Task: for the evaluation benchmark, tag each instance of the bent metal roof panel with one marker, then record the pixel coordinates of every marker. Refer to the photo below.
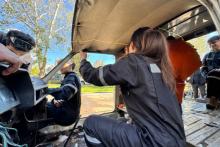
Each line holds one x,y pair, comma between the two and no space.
107,25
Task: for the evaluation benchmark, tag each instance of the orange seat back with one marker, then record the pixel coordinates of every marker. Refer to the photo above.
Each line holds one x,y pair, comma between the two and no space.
185,60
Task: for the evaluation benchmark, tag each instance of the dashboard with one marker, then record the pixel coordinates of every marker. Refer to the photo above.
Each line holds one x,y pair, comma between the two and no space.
20,90
7,98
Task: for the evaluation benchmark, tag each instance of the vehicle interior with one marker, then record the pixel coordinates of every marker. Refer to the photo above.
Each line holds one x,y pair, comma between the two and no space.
105,27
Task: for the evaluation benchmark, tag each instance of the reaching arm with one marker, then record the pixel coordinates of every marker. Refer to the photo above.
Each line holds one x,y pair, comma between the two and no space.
67,91
7,56
122,72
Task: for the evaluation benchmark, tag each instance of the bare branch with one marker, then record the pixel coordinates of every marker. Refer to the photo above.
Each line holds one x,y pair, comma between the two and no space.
52,23
41,16
27,14
54,19
35,9
61,28
26,23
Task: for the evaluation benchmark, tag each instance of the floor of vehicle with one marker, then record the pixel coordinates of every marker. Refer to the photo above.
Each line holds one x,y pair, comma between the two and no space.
202,126
59,134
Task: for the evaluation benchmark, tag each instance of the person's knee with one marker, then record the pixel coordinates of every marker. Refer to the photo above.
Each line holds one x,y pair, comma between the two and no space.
90,119
89,122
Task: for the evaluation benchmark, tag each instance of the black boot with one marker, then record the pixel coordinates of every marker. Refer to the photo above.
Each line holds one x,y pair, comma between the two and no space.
212,103
210,107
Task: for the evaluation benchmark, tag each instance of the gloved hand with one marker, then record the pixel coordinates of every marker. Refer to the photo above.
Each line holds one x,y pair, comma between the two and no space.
58,103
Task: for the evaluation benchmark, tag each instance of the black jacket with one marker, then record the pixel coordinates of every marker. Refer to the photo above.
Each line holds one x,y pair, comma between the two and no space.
210,61
153,108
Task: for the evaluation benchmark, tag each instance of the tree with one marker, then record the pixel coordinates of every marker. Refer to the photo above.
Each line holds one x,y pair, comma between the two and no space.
46,20
200,44
76,60
35,71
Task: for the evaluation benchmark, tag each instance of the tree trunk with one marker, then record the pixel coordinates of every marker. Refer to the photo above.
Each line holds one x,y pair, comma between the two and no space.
42,68
42,60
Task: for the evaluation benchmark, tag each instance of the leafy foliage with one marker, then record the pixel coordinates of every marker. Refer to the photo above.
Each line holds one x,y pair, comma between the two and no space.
49,21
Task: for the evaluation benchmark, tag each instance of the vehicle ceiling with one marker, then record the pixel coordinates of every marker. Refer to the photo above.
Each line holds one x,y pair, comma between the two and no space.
106,25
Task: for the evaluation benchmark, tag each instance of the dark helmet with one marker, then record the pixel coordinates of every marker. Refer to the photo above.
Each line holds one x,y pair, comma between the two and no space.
3,38
21,41
213,39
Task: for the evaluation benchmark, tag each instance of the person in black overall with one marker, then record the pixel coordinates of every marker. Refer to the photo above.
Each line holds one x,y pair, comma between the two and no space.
148,86
211,71
65,107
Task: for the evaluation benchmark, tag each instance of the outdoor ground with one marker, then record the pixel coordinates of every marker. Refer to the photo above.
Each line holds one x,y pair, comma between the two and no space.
202,126
94,99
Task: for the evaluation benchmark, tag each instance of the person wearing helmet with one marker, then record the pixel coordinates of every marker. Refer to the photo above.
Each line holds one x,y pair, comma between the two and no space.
211,71
7,56
20,43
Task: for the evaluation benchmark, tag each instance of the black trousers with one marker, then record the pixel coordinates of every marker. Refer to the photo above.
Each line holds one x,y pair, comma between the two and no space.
196,91
213,83
112,133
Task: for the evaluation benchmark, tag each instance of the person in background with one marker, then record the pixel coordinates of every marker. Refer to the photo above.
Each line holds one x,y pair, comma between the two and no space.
7,56
20,43
148,87
211,71
198,82
65,107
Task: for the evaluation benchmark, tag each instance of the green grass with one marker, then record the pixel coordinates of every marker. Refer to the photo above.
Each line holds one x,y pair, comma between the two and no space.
96,89
53,85
89,88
